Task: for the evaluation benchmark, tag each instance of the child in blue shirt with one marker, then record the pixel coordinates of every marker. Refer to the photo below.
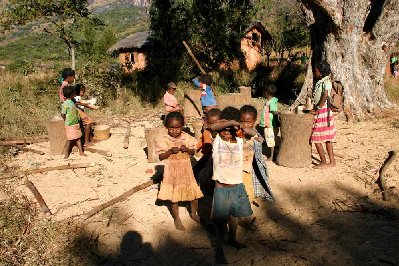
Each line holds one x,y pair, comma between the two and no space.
208,100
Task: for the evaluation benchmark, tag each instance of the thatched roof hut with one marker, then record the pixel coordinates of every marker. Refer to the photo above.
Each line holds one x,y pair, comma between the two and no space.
131,51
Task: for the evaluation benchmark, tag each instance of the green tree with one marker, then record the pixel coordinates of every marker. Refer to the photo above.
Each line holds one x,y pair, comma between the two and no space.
63,18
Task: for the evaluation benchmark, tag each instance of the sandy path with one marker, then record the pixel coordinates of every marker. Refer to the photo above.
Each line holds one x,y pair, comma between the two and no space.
320,217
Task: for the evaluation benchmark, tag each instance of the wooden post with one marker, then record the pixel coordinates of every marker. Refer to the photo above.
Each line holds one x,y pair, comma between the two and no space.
127,135
193,57
43,206
151,136
295,150
192,103
197,125
56,133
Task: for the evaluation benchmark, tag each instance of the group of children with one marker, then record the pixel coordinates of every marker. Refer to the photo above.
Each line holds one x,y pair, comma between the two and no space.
232,168
73,112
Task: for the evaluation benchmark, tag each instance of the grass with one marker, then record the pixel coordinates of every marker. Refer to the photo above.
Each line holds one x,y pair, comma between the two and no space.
27,238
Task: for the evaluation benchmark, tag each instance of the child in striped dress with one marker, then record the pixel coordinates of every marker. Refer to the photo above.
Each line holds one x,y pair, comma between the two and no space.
323,127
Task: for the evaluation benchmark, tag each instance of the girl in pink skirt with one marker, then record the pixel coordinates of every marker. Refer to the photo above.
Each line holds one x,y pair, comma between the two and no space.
323,126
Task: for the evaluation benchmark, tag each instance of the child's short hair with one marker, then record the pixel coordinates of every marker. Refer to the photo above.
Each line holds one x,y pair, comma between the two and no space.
324,68
79,87
271,88
214,112
174,115
67,72
206,79
230,113
249,109
68,91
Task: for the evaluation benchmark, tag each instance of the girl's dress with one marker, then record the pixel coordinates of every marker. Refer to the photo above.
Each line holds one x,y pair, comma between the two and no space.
323,125
72,127
178,179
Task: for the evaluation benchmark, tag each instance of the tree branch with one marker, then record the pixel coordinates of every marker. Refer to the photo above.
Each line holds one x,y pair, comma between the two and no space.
386,25
329,7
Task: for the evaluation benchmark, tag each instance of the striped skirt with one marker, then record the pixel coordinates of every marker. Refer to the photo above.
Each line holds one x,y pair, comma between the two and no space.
73,132
323,126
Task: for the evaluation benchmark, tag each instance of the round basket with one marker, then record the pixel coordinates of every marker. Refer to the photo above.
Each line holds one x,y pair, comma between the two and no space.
101,132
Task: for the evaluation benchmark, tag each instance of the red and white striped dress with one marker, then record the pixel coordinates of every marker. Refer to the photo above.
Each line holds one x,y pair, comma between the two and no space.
323,125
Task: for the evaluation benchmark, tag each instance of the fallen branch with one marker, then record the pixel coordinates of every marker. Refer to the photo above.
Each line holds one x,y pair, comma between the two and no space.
381,178
30,150
23,141
38,196
127,135
60,167
102,152
122,197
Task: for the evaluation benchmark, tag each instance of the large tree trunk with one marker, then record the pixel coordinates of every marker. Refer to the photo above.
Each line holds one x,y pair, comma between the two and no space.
355,38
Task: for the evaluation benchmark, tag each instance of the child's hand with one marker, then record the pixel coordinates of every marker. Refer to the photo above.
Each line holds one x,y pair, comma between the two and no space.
174,150
183,148
314,112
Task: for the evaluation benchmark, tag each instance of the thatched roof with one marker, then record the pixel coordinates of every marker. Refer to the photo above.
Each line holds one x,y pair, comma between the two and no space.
259,26
134,41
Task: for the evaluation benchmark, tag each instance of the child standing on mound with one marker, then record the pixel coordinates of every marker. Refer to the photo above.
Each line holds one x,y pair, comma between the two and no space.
268,118
70,114
230,200
208,100
176,147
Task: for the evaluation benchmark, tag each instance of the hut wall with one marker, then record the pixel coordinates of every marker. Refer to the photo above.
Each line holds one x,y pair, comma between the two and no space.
252,49
129,66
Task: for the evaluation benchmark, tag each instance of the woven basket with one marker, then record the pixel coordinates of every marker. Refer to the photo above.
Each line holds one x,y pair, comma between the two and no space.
101,132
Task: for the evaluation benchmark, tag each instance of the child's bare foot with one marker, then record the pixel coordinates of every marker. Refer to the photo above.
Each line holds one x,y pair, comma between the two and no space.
88,144
195,217
321,166
66,156
83,154
234,243
219,256
179,226
332,164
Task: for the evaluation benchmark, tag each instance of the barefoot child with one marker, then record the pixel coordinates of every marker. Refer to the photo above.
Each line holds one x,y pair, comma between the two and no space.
268,118
324,129
68,77
230,200
255,175
80,90
176,147
170,101
70,114
203,168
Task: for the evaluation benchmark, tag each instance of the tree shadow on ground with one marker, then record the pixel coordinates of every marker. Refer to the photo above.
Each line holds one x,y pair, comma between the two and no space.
352,230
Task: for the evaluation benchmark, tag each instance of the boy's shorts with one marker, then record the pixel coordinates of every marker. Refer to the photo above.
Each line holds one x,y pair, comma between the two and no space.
230,201
270,136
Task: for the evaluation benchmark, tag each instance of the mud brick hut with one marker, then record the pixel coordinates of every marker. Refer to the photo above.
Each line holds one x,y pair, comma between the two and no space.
254,43
131,51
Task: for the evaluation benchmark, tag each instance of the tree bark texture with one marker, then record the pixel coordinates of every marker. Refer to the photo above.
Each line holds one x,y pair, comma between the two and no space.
355,37
151,136
56,133
295,150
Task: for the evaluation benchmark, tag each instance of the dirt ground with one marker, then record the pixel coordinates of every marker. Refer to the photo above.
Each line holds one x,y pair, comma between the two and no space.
320,217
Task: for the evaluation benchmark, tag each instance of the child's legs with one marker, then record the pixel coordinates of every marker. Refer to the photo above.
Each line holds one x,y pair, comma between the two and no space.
233,224
270,140
330,152
80,147
87,133
193,211
68,146
174,211
320,151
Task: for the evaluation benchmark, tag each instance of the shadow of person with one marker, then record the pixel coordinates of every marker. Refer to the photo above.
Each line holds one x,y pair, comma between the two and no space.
132,250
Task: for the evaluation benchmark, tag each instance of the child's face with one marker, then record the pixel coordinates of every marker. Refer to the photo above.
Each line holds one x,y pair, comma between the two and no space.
212,119
172,91
70,79
227,134
247,120
82,92
317,73
174,128
268,95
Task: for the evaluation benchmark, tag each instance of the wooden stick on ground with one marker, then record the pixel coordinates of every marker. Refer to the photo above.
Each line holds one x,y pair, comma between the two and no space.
60,167
122,197
94,150
194,58
381,178
127,135
23,141
31,150
38,196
